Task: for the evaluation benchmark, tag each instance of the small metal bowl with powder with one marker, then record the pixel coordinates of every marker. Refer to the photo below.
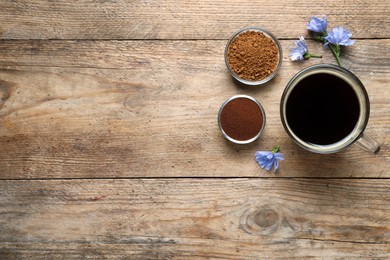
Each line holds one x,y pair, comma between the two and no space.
241,119
253,56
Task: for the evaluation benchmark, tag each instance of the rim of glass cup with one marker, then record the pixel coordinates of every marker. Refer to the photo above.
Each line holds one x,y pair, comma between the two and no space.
240,141
349,77
266,33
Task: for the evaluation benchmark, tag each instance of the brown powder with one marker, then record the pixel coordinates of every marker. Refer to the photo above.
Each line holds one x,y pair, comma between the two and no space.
241,119
253,56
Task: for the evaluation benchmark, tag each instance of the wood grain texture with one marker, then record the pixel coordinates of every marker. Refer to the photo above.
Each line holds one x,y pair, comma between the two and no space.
107,106
180,218
87,109
43,19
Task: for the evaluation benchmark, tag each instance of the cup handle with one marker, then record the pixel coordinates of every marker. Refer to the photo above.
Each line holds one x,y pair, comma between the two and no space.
368,144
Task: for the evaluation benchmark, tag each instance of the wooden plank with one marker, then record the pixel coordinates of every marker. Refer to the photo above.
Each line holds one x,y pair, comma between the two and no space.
369,56
222,218
206,19
82,109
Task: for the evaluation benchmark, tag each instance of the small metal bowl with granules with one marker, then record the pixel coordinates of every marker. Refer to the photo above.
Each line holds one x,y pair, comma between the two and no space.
253,56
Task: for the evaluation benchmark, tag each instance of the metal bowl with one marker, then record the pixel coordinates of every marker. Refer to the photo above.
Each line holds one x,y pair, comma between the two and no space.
267,34
241,141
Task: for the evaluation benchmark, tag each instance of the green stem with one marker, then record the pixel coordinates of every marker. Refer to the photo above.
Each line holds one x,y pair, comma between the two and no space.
276,149
309,55
336,53
318,38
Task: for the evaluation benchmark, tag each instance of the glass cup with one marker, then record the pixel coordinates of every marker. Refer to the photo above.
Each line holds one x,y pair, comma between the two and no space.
267,34
299,129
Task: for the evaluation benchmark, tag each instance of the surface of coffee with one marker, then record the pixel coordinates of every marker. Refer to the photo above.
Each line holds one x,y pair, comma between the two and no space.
322,109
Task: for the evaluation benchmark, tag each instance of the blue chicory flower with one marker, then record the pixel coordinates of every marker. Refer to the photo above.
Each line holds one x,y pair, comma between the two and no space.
268,159
300,50
339,36
317,25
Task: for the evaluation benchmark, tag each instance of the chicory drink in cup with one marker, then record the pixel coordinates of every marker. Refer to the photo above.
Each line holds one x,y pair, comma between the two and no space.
325,108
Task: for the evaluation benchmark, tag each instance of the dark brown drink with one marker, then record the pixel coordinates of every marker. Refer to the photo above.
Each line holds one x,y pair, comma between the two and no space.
322,109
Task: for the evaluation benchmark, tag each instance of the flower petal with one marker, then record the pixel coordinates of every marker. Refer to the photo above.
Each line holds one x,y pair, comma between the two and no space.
262,163
268,159
339,36
317,25
300,50
269,165
296,54
262,153
279,156
276,165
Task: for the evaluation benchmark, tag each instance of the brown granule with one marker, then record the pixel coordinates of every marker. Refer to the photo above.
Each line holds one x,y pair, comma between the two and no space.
253,56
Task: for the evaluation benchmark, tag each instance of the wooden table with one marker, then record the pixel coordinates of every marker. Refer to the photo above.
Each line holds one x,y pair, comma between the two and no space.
110,148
